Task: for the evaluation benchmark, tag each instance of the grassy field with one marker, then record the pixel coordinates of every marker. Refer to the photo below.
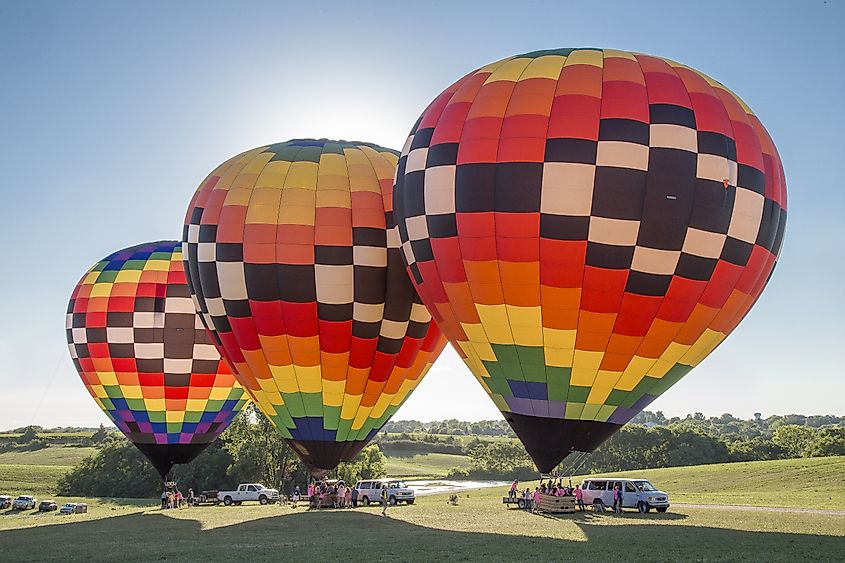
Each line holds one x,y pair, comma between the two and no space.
479,527
39,480
53,455
814,482
411,464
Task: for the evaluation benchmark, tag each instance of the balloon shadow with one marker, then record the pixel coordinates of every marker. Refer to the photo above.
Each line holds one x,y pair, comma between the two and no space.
367,536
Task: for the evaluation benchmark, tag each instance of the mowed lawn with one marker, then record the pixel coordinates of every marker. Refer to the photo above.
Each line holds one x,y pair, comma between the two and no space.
52,455
810,483
38,480
37,472
478,528
412,464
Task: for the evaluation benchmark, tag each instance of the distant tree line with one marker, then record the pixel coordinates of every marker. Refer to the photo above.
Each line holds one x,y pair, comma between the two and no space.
694,440
452,427
250,450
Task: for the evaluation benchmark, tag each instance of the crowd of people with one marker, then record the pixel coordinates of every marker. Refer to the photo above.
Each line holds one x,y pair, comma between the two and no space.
172,497
552,488
324,494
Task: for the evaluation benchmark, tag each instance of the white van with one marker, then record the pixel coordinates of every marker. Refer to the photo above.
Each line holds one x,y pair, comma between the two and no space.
369,490
636,493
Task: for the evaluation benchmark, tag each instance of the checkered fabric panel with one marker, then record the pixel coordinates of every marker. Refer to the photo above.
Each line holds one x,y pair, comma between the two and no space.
587,225
142,351
290,265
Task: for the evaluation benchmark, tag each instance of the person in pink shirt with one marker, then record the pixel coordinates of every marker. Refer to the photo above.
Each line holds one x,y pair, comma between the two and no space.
536,498
579,498
311,500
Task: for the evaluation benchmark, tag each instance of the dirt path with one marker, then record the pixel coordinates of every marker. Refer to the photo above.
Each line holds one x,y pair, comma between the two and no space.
829,511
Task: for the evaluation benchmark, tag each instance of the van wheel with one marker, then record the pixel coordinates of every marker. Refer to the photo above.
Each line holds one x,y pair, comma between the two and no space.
392,500
643,507
598,506
227,501
262,499
661,509
366,501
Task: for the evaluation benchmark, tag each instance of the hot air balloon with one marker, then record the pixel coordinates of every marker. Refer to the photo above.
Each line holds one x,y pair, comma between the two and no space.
585,226
145,357
289,260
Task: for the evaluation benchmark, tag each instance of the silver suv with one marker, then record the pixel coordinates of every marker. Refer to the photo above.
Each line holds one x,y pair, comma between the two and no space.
636,493
369,490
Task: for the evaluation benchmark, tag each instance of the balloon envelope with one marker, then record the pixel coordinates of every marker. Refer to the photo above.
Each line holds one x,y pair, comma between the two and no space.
585,226
289,259
143,354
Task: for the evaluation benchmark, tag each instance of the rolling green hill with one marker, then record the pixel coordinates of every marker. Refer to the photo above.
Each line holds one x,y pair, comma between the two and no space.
807,482
412,464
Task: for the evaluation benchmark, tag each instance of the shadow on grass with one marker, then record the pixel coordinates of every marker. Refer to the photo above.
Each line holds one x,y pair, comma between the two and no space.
590,516
328,536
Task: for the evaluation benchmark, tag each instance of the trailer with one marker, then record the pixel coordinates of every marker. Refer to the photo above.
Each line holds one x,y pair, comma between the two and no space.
519,501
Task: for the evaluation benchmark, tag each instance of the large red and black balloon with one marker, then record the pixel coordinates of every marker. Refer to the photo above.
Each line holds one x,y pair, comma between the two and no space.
585,226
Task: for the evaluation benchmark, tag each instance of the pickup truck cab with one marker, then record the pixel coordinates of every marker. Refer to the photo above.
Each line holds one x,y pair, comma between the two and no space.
636,493
247,492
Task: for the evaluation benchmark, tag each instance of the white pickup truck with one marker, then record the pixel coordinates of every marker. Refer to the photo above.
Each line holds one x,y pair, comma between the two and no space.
249,491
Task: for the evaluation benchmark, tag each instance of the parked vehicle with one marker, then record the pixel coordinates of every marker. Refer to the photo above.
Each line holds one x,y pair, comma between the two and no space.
24,502
74,508
636,493
48,506
369,490
207,497
5,502
249,491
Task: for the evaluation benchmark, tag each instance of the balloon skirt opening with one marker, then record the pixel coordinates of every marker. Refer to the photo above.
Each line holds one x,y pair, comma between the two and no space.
165,456
322,456
549,440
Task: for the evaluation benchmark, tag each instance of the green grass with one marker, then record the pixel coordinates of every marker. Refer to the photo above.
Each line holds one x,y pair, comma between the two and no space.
52,455
39,480
478,528
412,464
813,482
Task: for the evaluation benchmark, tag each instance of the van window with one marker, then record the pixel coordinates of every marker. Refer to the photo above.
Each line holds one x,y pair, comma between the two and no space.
598,485
617,484
251,488
364,485
629,487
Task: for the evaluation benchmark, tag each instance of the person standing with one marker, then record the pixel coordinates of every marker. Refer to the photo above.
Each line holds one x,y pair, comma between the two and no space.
164,499
354,497
312,502
190,497
513,489
617,499
347,501
536,504
384,499
579,498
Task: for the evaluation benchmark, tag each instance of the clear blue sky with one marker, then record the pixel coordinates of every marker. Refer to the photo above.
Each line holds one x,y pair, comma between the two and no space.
112,113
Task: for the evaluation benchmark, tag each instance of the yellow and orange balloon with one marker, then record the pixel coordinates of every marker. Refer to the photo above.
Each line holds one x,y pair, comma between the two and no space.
294,271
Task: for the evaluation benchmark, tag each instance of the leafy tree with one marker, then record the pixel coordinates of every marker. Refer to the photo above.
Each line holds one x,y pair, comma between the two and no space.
30,434
370,463
826,442
100,435
794,439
